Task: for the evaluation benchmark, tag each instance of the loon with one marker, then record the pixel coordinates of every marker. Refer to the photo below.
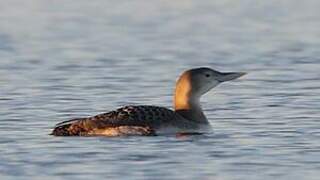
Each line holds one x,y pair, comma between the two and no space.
146,120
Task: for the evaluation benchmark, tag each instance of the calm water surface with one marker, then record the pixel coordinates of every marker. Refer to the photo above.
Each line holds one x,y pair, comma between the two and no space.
67,59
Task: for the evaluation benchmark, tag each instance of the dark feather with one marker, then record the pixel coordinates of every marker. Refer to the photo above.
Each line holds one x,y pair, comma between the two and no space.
146,117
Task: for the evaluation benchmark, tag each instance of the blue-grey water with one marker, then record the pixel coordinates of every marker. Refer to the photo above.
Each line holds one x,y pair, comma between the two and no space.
65,59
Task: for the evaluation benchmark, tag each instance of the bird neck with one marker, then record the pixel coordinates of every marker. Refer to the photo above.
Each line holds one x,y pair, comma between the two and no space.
187,102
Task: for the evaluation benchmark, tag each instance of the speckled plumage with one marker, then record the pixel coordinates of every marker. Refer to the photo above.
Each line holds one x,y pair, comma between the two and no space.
146,117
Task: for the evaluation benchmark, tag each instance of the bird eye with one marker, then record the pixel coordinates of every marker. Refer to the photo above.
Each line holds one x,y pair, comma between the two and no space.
207,75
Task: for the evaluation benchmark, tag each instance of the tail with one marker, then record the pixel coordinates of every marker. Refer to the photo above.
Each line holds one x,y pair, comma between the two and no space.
64,128
61,130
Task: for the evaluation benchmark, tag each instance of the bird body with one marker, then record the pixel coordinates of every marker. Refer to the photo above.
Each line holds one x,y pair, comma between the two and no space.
152,120
128,120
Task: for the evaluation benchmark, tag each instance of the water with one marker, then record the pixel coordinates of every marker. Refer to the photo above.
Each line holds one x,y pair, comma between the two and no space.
66,59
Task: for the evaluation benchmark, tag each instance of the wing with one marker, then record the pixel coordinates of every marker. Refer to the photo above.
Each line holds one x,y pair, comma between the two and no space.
140,120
